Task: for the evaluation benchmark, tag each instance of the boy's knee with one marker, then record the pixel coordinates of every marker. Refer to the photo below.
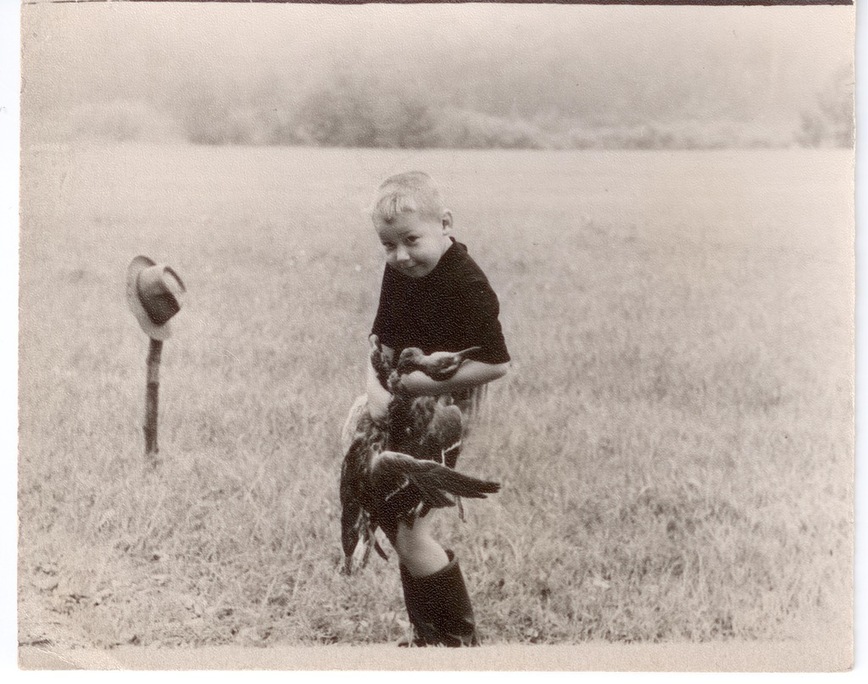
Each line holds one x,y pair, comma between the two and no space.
407,539
410,539
417,549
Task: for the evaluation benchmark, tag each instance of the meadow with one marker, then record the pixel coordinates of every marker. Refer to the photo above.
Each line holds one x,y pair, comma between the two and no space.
674,439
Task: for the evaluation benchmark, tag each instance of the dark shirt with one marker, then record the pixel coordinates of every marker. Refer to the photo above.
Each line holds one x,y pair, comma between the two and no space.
450,309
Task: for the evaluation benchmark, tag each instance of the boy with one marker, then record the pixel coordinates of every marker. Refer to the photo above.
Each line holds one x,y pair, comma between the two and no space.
436,298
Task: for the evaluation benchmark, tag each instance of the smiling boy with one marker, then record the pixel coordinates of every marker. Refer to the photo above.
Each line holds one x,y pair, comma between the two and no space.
436,298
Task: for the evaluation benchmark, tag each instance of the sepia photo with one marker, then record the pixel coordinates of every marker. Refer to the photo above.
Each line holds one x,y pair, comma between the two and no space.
350,334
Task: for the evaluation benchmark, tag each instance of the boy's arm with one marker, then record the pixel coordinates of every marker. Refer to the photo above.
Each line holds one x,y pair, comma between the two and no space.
469,374
378,396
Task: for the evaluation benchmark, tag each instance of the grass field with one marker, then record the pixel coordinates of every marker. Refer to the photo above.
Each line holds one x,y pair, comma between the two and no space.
674,440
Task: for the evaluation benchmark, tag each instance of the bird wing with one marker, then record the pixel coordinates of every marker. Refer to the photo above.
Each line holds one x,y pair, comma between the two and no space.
443,367
393,472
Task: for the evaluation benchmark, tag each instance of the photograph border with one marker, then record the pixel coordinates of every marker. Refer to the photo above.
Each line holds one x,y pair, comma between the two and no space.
730,658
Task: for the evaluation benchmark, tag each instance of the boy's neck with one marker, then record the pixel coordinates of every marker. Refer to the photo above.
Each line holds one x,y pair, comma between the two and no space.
447,245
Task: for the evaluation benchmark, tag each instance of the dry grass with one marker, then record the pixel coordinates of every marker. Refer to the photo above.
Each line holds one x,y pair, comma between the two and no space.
675,439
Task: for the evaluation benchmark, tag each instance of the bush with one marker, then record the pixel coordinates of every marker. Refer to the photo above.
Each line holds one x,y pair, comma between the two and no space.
830,122
475,130
122,121
240,126
346,114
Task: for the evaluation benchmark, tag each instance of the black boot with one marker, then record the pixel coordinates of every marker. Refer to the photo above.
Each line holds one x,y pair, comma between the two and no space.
439,607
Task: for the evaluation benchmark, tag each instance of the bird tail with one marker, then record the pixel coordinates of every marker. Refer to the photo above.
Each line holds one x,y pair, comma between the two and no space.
393,472
352,516
358,529
356,522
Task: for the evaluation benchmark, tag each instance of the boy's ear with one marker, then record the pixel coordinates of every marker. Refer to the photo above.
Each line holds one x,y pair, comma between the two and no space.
446,221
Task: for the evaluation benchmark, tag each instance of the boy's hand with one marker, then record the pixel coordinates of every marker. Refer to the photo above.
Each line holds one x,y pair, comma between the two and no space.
378,396
415,384
378,403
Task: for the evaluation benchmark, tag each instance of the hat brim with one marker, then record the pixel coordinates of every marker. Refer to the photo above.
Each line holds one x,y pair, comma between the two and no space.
151,329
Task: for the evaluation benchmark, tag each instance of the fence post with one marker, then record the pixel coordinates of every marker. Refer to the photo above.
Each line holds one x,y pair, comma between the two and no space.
152,400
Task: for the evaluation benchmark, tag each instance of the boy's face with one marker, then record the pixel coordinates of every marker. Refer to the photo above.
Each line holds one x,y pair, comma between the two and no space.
414,243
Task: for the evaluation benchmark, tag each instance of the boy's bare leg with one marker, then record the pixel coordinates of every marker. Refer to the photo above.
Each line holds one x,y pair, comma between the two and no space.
419,552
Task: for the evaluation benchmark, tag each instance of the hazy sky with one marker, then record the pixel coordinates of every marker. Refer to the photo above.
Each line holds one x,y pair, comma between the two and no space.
87,52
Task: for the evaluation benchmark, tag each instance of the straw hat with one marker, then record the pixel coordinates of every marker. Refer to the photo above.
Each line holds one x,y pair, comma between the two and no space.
154,295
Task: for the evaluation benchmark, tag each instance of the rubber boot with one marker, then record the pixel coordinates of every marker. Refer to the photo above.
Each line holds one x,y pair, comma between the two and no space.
439,607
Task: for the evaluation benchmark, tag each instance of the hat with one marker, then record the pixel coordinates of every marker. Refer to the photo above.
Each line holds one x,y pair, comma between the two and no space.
154,294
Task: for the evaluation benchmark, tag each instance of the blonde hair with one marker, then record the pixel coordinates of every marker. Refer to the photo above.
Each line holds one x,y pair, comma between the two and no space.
413,191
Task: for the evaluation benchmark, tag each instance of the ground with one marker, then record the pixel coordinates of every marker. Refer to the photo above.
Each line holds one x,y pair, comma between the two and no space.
674,439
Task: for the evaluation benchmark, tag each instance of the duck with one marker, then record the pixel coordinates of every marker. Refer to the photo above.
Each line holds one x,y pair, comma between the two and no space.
439,366
404,466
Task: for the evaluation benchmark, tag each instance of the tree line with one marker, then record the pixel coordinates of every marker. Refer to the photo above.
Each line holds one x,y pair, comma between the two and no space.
349,112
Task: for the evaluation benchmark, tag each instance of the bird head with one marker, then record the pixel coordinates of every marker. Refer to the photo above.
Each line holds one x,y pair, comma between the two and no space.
409,360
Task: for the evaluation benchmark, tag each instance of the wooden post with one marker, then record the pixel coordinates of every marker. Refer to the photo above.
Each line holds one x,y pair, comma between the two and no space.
152,400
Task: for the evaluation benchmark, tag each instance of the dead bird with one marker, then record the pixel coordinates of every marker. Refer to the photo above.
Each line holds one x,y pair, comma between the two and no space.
380,488
400,469
437,366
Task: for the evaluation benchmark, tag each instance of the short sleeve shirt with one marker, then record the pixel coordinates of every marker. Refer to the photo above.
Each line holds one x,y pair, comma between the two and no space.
450,309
